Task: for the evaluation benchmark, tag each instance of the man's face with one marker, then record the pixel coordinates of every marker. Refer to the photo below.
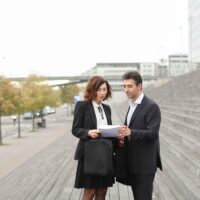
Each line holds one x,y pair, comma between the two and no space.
131,89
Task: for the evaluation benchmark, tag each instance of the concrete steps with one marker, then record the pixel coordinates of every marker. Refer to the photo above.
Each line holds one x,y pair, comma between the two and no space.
186,119
188,140
182,110
165,187
179,101
185,155
180,150
184,180
181,126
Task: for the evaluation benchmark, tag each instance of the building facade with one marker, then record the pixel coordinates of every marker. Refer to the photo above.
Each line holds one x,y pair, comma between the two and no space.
114,69
178,64
194,33
162,69
150,71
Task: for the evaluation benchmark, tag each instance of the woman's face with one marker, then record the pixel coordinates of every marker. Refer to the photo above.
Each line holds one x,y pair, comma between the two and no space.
101,93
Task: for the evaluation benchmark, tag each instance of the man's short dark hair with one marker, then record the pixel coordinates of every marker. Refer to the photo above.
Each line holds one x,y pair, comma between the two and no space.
133,75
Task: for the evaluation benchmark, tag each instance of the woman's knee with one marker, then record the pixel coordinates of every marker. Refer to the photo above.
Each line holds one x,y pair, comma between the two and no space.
101,191
89,194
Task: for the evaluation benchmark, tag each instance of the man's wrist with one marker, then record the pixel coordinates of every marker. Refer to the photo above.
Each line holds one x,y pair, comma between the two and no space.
129,134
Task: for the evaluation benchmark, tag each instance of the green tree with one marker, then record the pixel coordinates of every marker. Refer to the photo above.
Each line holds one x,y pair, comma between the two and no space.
7,97
20,106
38,94
68,92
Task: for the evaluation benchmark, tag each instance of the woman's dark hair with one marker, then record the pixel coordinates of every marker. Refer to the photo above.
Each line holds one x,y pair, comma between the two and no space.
93,85
133,75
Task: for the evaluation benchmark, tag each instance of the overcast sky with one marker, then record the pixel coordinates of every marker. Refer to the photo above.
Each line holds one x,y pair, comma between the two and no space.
67,37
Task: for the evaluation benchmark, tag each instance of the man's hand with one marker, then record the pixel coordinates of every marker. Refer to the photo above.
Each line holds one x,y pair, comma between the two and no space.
125,131
121,142
94,133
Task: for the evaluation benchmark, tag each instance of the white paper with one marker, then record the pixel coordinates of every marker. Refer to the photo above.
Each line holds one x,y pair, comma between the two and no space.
109,130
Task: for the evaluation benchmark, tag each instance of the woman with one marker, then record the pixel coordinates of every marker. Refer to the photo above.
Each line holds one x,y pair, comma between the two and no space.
88,116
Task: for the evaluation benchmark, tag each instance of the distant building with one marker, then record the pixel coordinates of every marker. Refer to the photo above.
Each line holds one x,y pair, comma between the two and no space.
178,64
114,69
194,34
149,71
162,70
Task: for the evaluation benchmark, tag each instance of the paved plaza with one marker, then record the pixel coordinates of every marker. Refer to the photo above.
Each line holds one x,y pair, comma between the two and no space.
40,165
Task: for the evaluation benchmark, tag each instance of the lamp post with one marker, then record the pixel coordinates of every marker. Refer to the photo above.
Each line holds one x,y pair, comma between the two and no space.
0,132
18,115
18,107
2,58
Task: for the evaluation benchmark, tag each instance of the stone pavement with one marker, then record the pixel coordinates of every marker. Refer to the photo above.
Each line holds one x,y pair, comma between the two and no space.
29,163
40,166
15,151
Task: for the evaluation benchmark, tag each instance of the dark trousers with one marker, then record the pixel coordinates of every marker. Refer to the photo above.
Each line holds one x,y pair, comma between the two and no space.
142,186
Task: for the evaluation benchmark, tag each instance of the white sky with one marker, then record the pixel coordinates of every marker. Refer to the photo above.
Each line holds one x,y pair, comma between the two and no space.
67,37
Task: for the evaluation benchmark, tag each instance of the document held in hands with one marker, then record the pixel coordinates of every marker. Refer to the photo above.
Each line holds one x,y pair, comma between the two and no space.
109,130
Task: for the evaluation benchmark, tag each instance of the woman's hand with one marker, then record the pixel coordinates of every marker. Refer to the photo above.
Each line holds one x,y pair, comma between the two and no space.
94,133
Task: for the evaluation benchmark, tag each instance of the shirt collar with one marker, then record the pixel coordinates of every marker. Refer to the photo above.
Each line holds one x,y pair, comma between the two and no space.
137,101
96,105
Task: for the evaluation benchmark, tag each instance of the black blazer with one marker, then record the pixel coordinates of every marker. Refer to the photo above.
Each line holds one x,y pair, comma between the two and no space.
143,146
85,120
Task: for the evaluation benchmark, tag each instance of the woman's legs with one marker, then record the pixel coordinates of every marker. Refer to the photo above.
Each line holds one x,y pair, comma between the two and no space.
100,193
88,194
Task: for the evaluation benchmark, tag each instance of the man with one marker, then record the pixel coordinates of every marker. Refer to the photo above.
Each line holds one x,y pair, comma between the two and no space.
140,136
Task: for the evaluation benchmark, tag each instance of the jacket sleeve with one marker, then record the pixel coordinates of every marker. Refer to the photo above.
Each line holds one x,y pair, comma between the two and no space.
78,129
152,126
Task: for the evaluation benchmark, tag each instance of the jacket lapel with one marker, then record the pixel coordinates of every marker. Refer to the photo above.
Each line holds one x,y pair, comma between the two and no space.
125,123
92,113
93,116
137,110
107,115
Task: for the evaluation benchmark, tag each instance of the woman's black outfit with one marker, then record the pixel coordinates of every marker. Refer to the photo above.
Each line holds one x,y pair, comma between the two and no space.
85,120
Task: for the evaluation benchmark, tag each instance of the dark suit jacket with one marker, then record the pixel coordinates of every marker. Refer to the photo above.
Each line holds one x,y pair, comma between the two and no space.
143,146
141,153
85,120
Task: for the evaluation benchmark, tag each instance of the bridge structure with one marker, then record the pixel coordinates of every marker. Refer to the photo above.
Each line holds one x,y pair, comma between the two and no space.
66,80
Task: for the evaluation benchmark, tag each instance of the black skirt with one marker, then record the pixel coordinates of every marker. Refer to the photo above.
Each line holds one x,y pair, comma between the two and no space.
91,181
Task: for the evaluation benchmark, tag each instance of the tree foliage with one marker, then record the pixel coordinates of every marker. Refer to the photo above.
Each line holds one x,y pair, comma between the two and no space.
38,94
68,92
7,97
32,95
